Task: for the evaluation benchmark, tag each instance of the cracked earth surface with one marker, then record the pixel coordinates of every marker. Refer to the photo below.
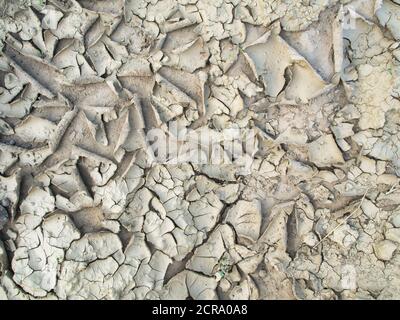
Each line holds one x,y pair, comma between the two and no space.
310,209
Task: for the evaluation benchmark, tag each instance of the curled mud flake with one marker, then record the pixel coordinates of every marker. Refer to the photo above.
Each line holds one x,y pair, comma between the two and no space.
34,129
188,284
206,211
245,217
38,202
92,246
206,259
9,192
291,74
158,233
189,57
324,152
5,128
3,258
60,230
245,290
388,14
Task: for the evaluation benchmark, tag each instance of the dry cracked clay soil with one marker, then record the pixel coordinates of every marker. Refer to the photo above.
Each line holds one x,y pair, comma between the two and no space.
200,149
